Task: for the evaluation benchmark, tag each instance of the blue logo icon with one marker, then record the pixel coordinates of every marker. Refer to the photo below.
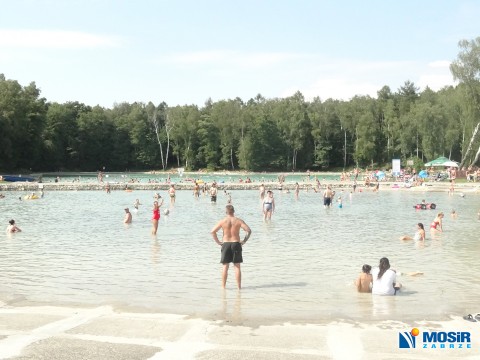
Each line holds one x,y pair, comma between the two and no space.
406,339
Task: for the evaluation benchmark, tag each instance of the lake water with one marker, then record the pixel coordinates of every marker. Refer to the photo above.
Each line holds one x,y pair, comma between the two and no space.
301,266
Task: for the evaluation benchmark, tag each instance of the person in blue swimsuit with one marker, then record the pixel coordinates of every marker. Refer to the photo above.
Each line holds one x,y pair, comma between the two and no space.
268,205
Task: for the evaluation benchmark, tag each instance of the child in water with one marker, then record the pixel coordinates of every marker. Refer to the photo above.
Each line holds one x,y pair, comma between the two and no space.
365,280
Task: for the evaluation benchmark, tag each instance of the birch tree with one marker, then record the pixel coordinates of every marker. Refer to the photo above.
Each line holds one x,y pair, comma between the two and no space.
466,70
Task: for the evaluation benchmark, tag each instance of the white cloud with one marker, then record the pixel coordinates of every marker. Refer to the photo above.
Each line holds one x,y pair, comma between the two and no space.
440,64
344,79
229,58
25,38
335,88
435,81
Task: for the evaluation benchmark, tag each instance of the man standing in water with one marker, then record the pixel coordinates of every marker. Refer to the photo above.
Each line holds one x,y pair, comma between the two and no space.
213,193
327,197
297,190
231,245
128,217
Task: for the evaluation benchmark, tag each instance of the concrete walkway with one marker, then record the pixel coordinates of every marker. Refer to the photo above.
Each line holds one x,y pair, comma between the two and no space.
69,333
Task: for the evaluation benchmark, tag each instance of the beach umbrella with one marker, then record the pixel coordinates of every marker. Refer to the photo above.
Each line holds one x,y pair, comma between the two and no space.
380,175
451,163
441,161
423,174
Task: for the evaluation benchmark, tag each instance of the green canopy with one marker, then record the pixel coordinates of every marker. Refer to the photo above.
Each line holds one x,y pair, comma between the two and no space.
441,161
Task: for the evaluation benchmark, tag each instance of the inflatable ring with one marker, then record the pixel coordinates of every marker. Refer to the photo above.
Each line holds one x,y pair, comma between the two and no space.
424,206
30,197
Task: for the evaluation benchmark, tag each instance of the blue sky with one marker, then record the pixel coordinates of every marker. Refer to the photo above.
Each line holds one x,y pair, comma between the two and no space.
184,52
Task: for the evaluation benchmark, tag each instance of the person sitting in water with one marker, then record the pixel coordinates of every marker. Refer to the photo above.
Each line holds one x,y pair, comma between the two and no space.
384,279
419,235
12,228
364,281
453,214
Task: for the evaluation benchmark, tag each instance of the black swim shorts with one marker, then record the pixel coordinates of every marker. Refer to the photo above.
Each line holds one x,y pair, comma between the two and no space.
327,201
213,198
231,252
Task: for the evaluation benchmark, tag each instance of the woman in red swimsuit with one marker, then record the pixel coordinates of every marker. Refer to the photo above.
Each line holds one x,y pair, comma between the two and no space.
436,225
156,215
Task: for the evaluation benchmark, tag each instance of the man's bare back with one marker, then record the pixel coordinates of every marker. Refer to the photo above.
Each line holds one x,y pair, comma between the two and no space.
231,229
231,226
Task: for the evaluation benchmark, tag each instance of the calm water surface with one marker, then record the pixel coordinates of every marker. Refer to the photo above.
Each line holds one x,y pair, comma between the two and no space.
300,266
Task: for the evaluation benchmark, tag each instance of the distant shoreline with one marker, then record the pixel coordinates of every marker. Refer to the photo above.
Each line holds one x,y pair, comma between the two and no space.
304,186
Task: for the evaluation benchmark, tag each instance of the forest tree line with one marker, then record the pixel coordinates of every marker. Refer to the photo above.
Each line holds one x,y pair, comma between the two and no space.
260,134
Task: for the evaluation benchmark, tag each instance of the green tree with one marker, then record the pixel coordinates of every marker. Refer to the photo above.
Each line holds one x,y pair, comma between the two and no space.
227,115
22,120
60,136
184,134
95,139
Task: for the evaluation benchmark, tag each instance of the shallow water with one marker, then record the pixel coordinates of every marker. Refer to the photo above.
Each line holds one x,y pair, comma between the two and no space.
300,266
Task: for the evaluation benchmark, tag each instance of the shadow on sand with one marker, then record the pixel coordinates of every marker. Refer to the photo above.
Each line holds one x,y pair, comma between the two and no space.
276,285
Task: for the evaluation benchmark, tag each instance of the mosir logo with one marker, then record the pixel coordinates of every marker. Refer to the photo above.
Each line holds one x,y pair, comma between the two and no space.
406,340
435,339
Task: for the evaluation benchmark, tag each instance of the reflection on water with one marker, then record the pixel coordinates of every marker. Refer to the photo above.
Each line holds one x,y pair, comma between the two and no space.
231,307
301,265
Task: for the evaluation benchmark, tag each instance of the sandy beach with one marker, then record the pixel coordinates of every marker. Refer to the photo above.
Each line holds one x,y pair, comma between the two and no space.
57,332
